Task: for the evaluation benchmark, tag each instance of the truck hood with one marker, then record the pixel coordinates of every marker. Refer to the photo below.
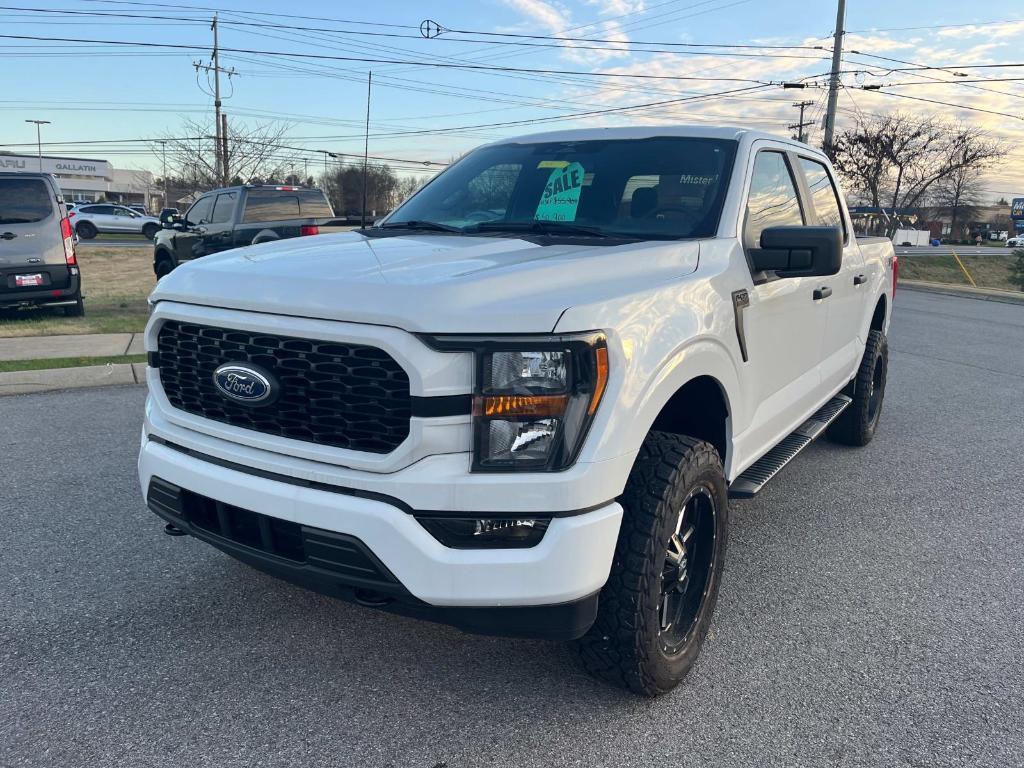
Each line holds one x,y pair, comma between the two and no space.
425,283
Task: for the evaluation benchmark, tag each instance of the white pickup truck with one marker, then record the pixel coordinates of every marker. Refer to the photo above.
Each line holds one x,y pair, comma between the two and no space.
521,403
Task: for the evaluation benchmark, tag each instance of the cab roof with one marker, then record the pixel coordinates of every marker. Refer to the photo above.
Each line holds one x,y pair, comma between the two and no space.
733,133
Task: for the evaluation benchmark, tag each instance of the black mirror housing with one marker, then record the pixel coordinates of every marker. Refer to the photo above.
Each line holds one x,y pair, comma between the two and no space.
799,251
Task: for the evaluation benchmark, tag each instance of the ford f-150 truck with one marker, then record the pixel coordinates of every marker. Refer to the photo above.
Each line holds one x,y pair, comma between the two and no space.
522,403
236,216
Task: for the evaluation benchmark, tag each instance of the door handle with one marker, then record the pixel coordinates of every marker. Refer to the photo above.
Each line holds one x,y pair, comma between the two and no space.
860,279
822,293
8,235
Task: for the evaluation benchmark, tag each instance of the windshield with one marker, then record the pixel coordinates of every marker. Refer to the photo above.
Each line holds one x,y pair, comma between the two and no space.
635,188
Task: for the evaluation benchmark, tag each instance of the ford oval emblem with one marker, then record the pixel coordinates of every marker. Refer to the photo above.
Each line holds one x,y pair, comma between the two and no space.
244,383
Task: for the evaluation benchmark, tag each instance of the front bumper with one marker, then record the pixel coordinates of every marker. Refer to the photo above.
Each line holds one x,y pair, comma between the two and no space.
548,590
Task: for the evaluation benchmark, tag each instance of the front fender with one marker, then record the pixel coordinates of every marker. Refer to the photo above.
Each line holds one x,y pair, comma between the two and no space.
702,357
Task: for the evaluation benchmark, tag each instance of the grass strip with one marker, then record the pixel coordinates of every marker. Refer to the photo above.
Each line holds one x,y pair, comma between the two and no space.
8,366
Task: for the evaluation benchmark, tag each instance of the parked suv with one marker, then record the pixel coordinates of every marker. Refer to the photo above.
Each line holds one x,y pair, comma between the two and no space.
235,216
38,266
91,219
522,403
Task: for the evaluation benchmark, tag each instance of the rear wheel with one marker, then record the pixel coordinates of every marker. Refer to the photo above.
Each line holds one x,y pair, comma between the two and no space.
86,230
149,231
77,309
655,609
856,426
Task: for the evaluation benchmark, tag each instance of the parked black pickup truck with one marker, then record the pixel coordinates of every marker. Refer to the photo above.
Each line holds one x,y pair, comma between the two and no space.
236,216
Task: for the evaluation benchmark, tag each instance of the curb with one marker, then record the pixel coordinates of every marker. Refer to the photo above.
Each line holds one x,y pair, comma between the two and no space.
966,292
47,380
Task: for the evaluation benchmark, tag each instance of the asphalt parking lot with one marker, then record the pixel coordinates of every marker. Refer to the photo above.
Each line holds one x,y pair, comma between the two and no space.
870,613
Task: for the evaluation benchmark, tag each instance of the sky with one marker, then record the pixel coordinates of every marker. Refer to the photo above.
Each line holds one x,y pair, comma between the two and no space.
102,99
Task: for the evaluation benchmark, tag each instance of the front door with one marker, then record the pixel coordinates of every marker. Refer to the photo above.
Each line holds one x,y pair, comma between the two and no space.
188,243
784,324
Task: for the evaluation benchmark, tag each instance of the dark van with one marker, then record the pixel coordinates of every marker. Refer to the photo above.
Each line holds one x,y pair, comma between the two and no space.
38,266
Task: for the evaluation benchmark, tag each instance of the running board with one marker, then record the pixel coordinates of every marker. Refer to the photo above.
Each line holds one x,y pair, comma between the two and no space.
756,477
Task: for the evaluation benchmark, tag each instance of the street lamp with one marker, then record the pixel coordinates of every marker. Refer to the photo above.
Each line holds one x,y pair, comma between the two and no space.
39,140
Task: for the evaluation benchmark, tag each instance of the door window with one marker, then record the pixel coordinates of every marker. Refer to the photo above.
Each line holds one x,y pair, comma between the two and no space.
824,197
773,200
224,208
200,212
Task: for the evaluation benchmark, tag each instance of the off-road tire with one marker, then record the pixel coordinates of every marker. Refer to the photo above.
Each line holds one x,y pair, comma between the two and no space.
857,424
149,231
86,230
624,645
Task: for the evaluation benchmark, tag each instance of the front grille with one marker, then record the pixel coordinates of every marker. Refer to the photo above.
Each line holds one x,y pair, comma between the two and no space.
342,555
343,395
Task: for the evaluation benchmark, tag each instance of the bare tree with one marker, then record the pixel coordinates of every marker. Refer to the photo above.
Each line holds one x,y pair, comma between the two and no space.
253,154
895,161
960,194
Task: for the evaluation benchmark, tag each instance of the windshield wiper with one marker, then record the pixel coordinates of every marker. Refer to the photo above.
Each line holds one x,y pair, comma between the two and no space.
540,226
416,224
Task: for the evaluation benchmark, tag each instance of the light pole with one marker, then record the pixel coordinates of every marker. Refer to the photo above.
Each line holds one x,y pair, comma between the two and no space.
39,139
163,148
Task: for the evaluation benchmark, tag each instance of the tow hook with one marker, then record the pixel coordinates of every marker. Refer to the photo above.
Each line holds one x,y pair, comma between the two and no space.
172,530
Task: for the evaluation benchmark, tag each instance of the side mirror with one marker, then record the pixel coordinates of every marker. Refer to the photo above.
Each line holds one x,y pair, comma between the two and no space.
799,251
173,221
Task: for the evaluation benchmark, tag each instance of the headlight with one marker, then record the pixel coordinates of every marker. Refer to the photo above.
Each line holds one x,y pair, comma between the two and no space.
534,399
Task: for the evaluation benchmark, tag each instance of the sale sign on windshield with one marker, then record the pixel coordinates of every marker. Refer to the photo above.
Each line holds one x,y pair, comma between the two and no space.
561,195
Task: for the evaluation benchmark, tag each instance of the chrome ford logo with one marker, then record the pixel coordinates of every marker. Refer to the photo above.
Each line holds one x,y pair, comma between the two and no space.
245,384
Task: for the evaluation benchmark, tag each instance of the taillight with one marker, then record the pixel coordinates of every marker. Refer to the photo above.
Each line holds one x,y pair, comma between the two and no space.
309,229
69,241
71,214
895,273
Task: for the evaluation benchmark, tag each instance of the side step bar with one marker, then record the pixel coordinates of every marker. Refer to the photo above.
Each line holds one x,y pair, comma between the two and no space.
768,466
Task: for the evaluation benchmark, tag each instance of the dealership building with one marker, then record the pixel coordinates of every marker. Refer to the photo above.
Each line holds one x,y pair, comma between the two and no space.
83,179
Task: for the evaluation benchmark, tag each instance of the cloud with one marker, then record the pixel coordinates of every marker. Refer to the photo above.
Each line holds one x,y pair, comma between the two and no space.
550,16
618,7
992,31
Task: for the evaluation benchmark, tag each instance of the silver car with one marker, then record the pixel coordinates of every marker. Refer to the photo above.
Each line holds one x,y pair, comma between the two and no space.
38,263
1015,242
89,220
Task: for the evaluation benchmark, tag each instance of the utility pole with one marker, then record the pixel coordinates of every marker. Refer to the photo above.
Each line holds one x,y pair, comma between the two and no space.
366,148
223,148
833,83
219,122
39,139
799,127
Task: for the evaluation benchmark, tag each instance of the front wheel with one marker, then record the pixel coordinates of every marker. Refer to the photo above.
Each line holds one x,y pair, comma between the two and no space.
149,231
655,610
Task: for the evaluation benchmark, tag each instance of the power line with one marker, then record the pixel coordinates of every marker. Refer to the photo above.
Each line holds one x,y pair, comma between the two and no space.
666,47
484,67
942,103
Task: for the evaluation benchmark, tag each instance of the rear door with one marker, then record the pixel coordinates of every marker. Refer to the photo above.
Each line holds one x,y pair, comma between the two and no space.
102,217
31,245
784,325
841,347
